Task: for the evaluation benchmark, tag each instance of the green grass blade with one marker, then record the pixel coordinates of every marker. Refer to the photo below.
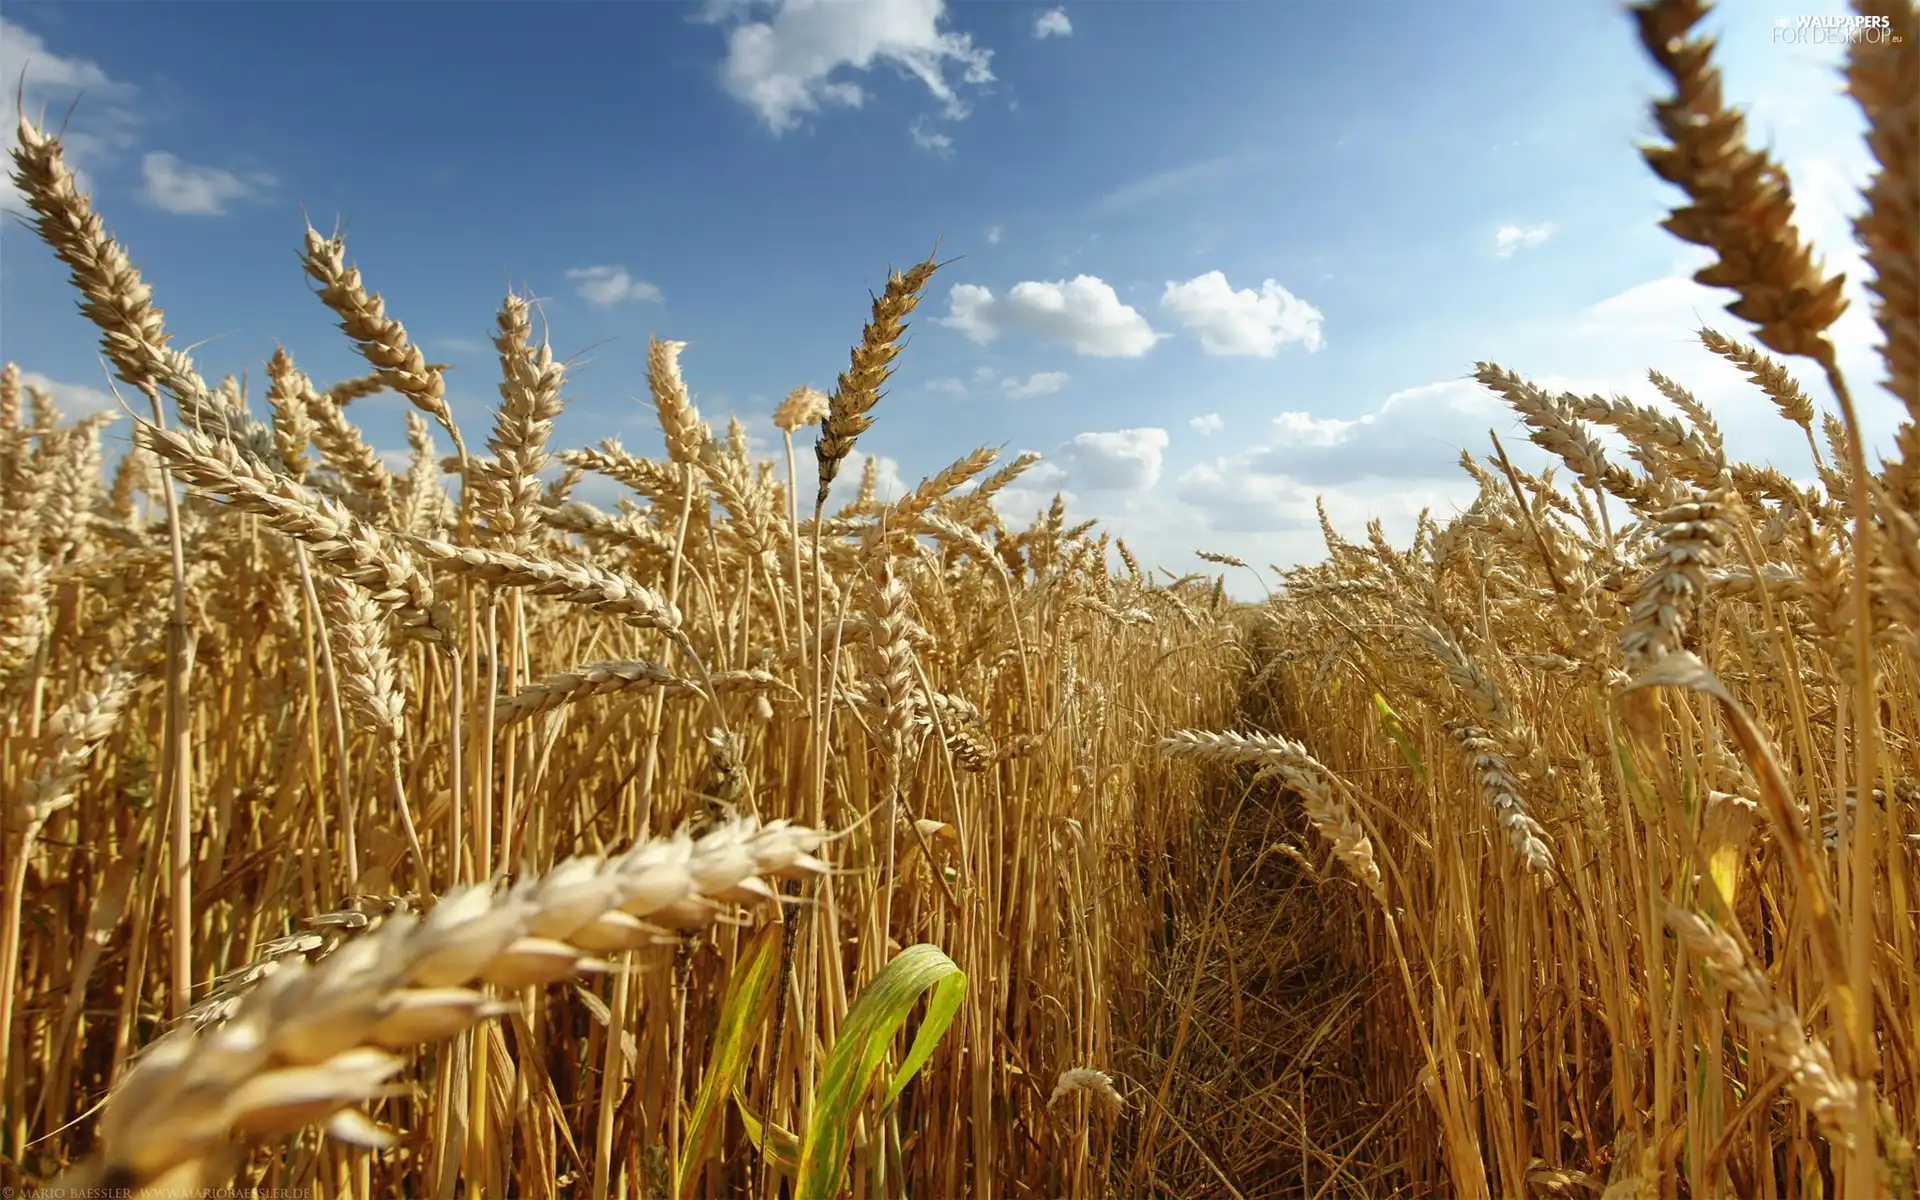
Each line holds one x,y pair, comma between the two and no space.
779,1146
748,1000
878,1013
1397,730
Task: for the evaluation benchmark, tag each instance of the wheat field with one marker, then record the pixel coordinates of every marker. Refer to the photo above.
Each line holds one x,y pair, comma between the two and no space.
434,833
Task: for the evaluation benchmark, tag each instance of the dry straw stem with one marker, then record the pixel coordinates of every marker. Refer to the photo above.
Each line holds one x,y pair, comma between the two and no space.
309,1041
858,389
613,678
73,732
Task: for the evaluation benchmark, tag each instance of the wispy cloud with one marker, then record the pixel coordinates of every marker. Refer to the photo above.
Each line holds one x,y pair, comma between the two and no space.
73,399
606,286
1040,383
929,139
94,133
171,185
1164,184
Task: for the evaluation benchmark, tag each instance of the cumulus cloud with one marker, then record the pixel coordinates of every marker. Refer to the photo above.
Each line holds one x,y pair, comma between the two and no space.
605,286
1233,495
186,190
1416,433
1040,383
1207,424
1118,460
794,62
1243,322
1052,23
993,235
1083,312
1509,238
1398,458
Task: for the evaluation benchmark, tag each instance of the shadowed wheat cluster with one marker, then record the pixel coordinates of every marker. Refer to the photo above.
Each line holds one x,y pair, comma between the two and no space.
435,833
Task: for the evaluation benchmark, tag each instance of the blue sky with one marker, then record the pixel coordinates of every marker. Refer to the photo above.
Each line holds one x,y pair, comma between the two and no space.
1216,258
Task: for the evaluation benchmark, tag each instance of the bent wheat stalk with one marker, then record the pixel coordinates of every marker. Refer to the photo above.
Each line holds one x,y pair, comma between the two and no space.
309,1040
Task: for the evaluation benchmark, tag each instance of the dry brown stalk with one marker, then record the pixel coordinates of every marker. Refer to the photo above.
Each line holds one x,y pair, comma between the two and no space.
609,678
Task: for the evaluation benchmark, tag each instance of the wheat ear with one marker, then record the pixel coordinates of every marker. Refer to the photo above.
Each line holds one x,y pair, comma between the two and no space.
307,1042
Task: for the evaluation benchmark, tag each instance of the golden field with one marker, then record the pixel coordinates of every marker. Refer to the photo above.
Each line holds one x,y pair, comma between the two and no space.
435,833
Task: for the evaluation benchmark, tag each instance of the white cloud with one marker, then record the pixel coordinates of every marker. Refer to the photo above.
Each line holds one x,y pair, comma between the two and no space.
1170,182
930,139
1509,238
73,399
22,52
605,286
791,64
186,190
91,134
993,235
1052,23
1040,383
1243,322
1018,505
1232,495
889,484
1119,460
1207,424
1403,455
1083,312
